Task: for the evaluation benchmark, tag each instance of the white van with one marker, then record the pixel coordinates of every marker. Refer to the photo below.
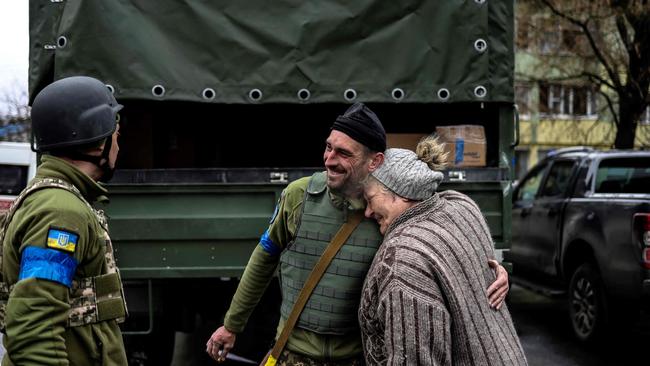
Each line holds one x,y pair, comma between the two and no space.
17,167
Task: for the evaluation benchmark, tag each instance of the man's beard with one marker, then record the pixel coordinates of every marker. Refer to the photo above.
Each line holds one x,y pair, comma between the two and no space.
349,189
107,172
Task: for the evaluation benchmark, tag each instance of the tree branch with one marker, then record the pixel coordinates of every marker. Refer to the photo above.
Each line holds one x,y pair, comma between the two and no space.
592,42
599,79
625,36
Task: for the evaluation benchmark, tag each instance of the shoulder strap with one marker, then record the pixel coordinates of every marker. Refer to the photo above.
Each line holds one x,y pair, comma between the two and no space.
314,277
35,185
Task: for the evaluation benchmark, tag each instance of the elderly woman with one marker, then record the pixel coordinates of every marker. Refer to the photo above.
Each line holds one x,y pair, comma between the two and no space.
424,300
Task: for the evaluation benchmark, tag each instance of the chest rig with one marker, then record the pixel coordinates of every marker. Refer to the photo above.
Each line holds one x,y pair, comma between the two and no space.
332,307
92,299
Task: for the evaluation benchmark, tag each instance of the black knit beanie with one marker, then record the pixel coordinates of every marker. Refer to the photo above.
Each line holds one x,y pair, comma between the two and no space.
362,125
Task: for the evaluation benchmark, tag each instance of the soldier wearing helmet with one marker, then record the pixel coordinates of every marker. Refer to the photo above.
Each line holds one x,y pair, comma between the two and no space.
61,296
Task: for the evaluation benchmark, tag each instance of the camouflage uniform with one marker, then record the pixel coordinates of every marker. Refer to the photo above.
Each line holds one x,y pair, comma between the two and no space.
318,348
50,321
288,358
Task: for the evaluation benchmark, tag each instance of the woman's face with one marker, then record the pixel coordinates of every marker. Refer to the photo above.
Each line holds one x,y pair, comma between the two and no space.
383,205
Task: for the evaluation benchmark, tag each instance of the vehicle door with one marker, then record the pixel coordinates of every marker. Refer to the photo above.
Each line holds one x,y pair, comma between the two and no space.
520,253
546,215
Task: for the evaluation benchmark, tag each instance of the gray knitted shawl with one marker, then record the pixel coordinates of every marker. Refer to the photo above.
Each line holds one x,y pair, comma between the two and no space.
424,299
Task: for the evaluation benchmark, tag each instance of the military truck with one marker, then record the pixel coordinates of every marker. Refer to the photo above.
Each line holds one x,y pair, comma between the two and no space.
227,101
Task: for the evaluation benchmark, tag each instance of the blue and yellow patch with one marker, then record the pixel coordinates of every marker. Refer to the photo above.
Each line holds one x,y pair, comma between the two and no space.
62,240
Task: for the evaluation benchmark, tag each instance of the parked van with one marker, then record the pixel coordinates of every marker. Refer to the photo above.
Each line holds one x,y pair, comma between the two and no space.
17,167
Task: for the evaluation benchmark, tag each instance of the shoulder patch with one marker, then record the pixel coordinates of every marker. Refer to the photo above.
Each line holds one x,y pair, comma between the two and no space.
62,239
317,183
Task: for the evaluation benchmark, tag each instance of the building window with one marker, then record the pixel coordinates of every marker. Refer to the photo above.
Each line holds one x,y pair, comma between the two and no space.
523,33
523,100
550,36
561,38
645,117
567,101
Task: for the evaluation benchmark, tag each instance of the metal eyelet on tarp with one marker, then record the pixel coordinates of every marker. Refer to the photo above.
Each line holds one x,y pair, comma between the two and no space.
255,95
158,91
208,94
397,94
110,88
61,41
480,45
443,94
480,91
350,94
303,94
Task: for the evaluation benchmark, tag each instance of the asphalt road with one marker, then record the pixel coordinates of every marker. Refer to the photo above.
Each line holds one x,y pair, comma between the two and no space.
546,335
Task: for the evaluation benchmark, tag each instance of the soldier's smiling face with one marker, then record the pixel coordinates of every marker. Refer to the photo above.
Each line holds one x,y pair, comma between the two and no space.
347,163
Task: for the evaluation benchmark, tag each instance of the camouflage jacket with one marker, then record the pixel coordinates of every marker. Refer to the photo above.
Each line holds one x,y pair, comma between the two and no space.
52,321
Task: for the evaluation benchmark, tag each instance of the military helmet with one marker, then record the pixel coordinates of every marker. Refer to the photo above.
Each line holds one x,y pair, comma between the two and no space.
73,111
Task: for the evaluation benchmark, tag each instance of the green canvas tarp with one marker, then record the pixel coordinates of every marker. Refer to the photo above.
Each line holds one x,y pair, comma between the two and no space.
218,51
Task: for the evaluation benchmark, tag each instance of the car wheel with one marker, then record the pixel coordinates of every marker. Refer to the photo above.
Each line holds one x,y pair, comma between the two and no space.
587,307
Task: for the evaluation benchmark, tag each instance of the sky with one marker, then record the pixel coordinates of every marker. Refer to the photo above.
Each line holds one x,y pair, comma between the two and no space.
14,53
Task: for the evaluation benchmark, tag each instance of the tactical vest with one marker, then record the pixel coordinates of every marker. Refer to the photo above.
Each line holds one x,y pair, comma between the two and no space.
332,307
92,299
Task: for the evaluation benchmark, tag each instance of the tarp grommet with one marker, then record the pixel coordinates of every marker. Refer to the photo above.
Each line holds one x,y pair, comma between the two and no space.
208,94
61,41
397,94
350,94
480,2
480,45
110,88
480,91
303,94
443,94
255,95
158,91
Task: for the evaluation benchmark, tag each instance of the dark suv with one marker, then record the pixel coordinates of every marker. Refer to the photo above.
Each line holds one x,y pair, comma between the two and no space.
581,227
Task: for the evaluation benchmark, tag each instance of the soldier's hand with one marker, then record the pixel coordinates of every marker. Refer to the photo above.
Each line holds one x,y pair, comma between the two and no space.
499,288
220,343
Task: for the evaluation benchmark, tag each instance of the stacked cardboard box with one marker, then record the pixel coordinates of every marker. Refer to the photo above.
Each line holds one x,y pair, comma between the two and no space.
465,143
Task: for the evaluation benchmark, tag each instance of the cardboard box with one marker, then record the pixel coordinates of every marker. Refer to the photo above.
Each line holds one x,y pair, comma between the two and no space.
404,140
465,143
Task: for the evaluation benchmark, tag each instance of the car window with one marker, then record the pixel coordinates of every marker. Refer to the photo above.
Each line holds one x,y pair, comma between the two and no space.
557,180
13,178
528,188
623,175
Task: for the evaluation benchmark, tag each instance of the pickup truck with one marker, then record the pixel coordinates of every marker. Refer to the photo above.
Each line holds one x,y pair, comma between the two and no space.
581,227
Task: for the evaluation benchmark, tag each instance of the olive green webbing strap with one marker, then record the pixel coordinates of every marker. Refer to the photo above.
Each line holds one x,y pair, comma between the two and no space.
109,307
314,277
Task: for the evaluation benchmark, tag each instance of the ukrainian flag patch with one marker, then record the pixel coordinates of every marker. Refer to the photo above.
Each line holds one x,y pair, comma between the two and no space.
62,240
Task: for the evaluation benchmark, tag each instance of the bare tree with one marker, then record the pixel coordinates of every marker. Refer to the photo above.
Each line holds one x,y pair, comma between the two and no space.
14,114
606,43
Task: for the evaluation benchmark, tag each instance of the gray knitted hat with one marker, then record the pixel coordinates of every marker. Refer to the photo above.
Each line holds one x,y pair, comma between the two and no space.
408,176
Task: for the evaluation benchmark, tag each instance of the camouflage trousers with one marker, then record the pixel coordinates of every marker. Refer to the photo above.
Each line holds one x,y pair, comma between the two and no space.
288,358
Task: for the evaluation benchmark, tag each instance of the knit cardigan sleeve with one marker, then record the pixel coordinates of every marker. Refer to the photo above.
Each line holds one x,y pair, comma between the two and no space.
417,323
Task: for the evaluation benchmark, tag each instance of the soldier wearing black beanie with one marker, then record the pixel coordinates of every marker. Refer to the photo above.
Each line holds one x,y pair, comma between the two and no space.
362,125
